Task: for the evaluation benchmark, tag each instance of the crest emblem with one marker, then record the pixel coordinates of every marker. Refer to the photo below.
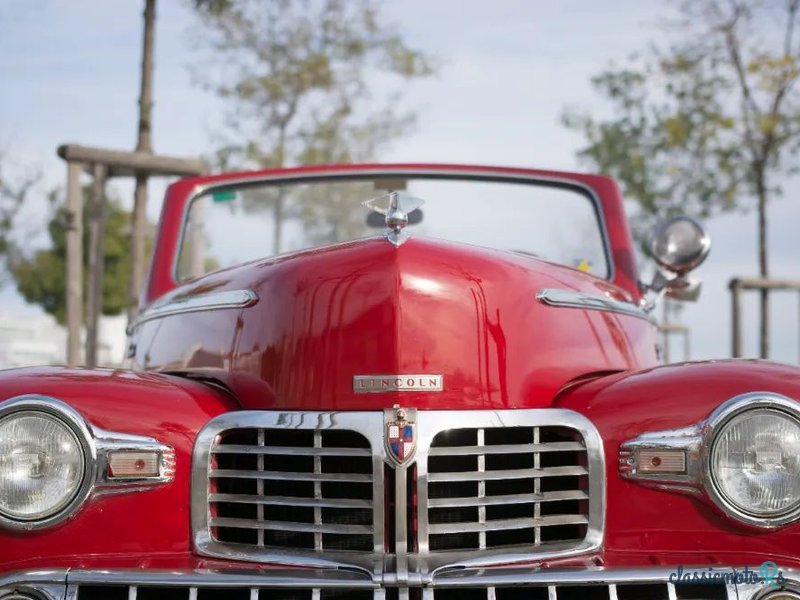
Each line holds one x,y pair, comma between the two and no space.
400,434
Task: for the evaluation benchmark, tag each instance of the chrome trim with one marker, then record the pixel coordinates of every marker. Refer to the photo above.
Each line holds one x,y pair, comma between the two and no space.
488,579
484,174
169,306
573,299
422,565
46,584
697,442
95,444
369,425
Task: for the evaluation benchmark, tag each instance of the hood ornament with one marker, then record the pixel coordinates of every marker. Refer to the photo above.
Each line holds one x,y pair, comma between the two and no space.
396,206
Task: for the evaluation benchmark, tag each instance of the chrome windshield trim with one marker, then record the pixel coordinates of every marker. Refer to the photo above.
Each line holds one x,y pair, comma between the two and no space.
434,172
412,568
572,299
202,302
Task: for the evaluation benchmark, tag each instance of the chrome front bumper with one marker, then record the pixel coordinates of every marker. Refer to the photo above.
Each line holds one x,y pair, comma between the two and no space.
491,584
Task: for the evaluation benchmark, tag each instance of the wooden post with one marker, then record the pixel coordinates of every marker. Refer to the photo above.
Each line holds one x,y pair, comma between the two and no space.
197,238
736,322
97,228
74,242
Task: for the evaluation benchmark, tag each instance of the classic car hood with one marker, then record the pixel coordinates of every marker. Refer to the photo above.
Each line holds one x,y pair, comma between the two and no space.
409,314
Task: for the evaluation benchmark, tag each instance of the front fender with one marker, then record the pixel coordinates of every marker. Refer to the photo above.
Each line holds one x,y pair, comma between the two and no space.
152,525
664,524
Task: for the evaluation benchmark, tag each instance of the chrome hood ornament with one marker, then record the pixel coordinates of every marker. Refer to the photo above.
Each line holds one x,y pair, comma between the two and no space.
396,206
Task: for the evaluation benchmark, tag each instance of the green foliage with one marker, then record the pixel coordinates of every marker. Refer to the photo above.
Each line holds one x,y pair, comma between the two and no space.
41,277
701,126
13,192
296,76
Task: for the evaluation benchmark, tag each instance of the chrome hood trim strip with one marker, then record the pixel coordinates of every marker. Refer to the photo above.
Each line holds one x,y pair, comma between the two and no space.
202,302
572,299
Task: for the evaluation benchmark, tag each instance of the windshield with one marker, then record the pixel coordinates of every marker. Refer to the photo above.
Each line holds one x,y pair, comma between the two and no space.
235,224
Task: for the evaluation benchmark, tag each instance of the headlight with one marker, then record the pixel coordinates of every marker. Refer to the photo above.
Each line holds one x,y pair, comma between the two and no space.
42,465
755,462
48,462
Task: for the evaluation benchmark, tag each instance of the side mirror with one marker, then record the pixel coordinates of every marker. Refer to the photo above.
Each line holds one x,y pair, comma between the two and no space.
678,245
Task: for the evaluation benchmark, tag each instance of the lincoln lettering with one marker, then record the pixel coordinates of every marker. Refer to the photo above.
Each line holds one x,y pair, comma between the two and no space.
397,383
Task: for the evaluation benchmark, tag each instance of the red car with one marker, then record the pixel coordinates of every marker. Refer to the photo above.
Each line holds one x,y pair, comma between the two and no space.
466,403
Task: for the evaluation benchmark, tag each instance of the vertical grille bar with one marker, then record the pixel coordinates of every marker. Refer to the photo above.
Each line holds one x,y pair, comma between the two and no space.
481,489
537,488
260,490
317,493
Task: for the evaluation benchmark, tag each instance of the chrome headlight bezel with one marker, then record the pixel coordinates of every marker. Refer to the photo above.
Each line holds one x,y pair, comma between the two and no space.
715,424
70,418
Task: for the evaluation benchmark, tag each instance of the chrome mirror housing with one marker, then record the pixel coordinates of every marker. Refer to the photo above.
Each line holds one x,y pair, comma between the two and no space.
678,245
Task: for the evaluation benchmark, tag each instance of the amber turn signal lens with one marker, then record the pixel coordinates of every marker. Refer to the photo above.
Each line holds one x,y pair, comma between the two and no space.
661,461
134,465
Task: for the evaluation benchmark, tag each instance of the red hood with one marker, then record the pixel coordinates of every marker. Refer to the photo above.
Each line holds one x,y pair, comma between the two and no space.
428,307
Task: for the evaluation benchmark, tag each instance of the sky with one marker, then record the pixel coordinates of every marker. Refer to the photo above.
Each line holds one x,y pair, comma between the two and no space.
69,72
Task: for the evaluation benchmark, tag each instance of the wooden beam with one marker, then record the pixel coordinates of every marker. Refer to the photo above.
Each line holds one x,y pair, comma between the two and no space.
765,284
126,164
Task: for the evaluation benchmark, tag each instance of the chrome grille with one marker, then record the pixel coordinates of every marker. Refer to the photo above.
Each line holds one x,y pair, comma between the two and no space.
319,489
301,489
592,591
167,589
507,486
150,592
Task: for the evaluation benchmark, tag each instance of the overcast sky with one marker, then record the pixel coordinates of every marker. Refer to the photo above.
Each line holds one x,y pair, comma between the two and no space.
69,73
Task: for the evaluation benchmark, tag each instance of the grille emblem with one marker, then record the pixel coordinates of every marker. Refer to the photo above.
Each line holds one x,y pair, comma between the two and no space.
400,434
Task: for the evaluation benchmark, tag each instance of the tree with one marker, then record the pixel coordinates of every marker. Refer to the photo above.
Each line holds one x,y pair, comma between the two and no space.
296,75
143,144
13,192
40,277
708,123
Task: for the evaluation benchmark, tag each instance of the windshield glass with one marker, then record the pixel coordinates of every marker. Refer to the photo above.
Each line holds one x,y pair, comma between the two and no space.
231,225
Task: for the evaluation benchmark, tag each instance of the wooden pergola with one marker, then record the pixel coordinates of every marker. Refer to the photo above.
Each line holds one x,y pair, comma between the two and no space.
739,284
102,164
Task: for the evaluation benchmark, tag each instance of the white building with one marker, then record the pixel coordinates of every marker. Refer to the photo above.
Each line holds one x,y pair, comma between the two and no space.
34,339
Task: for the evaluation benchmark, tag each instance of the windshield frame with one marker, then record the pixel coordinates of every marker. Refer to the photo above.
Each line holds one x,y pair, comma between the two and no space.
601,191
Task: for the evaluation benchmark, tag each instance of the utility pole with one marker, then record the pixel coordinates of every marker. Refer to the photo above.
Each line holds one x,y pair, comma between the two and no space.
143,144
